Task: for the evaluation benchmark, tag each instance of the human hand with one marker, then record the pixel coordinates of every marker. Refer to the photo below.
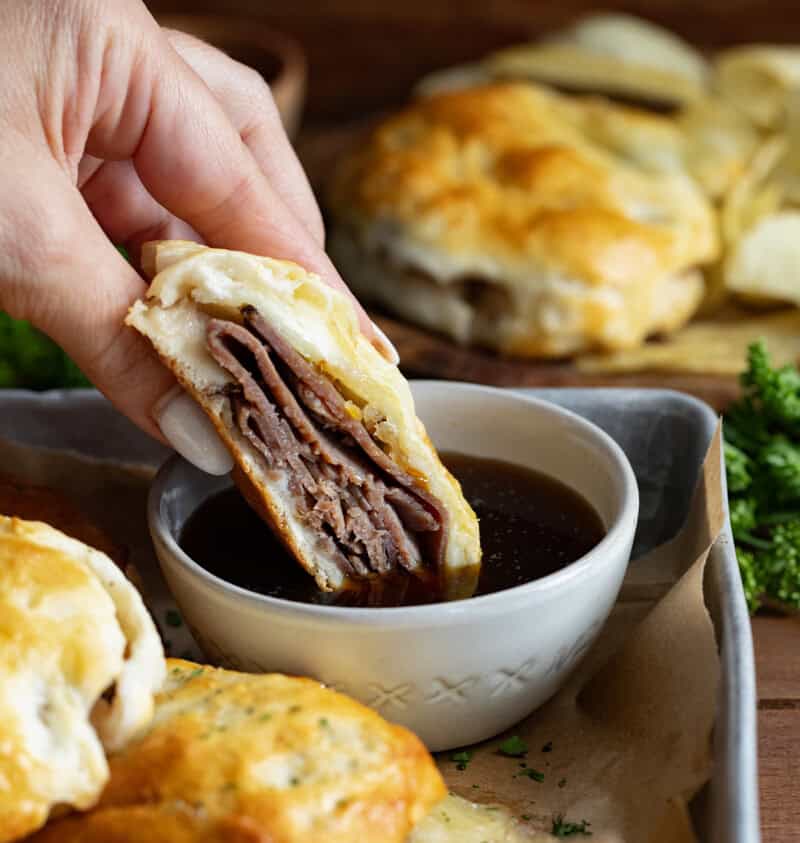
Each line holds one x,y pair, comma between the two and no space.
116,131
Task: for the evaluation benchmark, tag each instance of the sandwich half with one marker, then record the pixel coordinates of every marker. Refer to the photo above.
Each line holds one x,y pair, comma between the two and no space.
323,430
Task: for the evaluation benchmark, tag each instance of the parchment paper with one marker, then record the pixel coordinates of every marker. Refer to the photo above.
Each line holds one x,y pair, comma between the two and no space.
624,745
629,736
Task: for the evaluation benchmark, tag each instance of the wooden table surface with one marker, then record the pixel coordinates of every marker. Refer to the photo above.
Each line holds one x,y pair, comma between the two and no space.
777,649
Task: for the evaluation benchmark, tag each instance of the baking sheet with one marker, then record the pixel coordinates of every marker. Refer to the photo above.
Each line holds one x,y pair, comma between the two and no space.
665,436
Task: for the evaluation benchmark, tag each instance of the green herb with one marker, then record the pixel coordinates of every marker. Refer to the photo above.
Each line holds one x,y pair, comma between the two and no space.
762,458
513,747
525,817
294,781
173,618
124,252
30,360
564,828
477,786
461,758
264,717
198,671
531,774
324,722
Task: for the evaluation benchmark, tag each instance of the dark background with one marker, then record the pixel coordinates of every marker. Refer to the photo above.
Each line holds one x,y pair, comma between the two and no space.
366,54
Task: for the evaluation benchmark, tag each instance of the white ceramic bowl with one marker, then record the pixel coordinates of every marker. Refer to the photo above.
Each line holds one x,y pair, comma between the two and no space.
455,673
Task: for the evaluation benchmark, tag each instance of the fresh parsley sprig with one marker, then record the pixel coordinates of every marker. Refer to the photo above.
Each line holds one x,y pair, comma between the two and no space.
762,457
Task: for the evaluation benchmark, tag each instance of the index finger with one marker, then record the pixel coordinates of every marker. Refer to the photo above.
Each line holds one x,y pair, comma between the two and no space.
192,160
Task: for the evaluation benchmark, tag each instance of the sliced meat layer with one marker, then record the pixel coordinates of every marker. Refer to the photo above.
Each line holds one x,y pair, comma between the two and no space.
366,512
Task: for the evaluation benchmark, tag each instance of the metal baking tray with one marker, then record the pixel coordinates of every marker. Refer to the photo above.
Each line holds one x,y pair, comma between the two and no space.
665,436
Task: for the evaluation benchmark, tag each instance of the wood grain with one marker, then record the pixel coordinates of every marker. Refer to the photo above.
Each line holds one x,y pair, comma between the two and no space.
779,746
777,649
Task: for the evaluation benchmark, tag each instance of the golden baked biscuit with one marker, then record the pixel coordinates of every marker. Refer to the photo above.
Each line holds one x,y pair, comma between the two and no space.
500,216
259,759
79,661
327,442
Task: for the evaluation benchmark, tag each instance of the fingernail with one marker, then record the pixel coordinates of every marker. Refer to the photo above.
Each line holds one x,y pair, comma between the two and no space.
384,345
190,432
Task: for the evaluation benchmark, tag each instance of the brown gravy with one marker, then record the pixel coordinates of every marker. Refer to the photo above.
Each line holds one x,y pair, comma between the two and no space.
531,525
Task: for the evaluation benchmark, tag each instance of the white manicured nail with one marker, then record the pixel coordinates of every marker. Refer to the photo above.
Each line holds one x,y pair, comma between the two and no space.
385,346
188,429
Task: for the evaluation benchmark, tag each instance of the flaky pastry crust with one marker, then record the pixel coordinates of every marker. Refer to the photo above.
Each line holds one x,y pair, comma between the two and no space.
517,218
71,629
259,759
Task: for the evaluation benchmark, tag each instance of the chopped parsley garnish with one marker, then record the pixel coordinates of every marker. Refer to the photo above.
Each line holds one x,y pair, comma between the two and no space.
513,747
461,759
531,774
198,671
324,722
565,828
525,817
173,618
265,716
